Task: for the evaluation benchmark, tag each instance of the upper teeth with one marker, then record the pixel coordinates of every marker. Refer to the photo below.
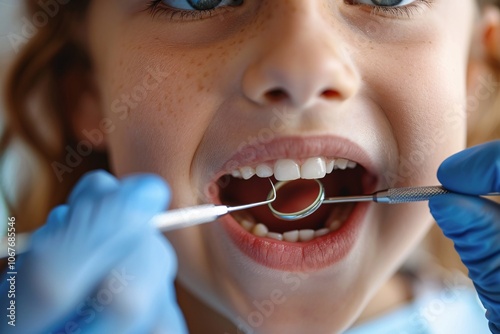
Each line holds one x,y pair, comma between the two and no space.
289,169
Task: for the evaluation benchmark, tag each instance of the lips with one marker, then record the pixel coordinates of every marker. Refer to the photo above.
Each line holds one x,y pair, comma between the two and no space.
317,241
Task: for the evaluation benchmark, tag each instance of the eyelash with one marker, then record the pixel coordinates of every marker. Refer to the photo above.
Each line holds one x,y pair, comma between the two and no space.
407,11
156,8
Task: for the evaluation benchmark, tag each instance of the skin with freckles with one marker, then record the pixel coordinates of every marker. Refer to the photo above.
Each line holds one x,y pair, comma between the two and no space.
393,84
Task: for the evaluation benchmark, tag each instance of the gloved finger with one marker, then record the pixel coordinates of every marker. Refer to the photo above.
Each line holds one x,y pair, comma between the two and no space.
165,316
468,220
118,214
473,223
41,240
80,256
57,214
122,213
103,230
115,304
98,181
475,171
87,194
55,219
135,301
151,190
164,300
148,291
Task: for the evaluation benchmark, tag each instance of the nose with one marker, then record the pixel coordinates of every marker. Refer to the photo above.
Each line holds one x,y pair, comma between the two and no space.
300,61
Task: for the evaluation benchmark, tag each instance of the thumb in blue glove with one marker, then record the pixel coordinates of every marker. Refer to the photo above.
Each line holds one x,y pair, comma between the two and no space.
472,222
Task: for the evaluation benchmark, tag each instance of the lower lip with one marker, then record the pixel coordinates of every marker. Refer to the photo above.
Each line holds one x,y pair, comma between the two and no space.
300,256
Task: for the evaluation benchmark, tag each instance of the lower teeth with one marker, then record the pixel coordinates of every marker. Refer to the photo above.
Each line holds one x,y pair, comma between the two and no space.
261,230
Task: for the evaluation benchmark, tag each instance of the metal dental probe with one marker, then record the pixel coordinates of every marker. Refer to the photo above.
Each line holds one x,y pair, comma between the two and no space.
167,221
388,196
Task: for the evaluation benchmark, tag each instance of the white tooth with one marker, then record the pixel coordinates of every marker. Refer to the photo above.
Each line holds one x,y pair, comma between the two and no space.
306,235
351,164
330,165
313,168
247,172
236,174
292,236
286,169
322,232
276,236
260,230
264,171
247,224
335,225
341,163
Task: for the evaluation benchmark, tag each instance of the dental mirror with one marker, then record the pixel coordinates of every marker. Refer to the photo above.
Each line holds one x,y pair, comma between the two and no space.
388,196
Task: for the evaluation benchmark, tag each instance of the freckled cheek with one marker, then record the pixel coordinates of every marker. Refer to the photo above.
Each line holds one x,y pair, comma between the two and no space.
162,104
421,93
160,127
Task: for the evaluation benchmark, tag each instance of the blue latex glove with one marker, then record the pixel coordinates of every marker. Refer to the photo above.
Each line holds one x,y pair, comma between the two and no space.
97,266
473,223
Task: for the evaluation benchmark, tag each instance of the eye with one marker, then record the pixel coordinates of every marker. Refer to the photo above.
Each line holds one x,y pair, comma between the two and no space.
200,4
385,3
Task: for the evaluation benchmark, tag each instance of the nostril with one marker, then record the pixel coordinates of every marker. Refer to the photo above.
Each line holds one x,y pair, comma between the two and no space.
330,94
276,95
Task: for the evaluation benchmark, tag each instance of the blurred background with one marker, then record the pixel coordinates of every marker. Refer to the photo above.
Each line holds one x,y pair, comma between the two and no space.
9,25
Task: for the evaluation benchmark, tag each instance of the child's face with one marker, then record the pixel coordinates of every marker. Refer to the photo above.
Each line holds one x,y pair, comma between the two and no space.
193,98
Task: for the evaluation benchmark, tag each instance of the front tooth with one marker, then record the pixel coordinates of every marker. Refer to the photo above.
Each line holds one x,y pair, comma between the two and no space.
292,236
247,172
264,171
351,164
260,230
341,163
306,235
286,169
276,236
330,165
313,168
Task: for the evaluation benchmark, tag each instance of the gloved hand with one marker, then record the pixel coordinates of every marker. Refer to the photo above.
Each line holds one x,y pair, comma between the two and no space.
473,223
97,266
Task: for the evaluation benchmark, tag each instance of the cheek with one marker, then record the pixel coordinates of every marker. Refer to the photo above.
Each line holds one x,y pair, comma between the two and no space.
421,91
160,105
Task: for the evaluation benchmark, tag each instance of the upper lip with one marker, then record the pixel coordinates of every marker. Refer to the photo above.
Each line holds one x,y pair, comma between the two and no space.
302,148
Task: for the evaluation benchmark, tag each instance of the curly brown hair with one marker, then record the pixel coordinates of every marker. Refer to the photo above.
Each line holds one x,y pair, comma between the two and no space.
37,75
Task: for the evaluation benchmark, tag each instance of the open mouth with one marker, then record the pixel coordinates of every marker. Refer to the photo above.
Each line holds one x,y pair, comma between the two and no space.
249,184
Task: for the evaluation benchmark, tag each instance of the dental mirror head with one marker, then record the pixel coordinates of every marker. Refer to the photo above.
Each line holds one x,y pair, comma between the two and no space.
309,210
